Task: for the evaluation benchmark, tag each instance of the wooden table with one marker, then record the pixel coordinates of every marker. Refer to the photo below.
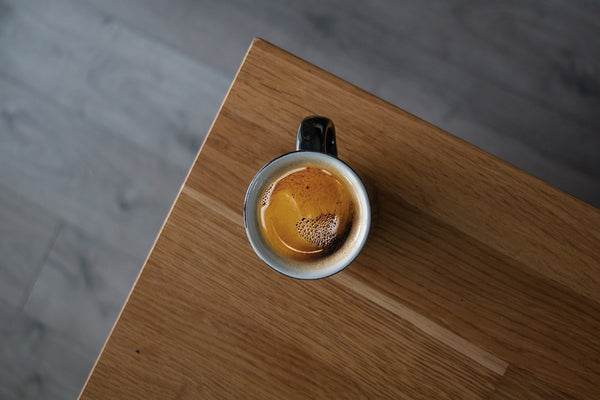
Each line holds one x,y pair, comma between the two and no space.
478,280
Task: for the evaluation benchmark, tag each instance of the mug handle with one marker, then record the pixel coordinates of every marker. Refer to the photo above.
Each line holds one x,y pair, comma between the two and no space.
316,134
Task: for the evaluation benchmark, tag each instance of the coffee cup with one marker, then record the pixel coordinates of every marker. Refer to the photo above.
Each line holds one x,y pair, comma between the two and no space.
307,213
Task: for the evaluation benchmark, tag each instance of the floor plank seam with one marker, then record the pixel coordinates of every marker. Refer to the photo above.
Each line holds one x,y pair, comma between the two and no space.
60,226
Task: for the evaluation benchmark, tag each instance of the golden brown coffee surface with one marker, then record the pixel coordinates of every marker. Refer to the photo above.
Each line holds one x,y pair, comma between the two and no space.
306,213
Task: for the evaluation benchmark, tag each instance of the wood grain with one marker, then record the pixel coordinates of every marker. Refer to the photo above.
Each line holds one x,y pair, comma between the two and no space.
428,327
518,385
478,280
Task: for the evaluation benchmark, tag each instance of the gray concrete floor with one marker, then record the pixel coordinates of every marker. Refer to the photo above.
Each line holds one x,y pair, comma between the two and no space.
104,104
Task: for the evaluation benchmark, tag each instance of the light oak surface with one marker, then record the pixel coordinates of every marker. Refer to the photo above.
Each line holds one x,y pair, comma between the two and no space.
478,280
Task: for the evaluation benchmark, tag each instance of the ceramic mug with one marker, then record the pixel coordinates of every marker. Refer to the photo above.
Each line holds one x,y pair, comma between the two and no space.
330,237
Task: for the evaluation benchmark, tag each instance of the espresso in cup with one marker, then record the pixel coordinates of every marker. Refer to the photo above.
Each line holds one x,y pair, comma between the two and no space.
307,213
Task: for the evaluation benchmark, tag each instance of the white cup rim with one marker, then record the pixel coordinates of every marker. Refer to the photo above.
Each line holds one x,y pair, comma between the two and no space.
302,270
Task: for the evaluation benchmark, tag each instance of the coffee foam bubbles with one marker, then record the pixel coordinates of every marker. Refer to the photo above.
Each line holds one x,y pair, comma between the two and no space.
266,196
320,231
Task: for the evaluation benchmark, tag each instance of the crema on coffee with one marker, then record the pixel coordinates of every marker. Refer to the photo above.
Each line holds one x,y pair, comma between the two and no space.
306,213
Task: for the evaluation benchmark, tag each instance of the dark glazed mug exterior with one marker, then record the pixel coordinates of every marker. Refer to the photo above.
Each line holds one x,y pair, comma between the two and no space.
316,134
